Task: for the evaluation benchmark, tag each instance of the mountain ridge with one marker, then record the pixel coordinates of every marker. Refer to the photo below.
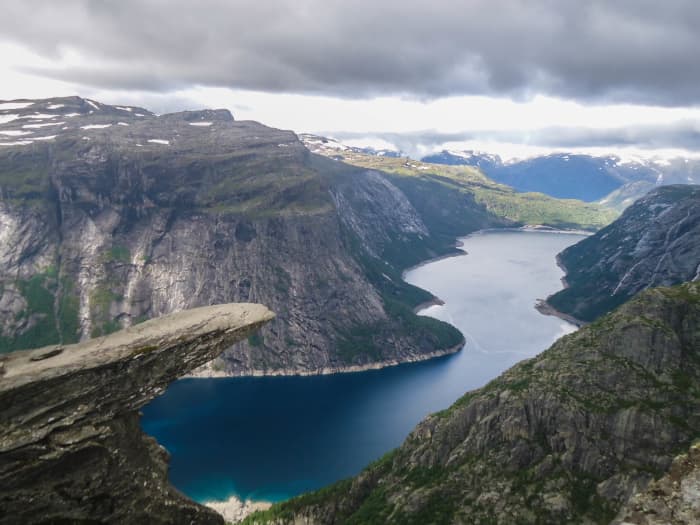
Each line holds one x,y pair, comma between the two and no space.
654,243
565,437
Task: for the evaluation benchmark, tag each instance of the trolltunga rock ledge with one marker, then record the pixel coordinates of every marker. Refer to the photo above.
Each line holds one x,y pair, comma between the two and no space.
71,447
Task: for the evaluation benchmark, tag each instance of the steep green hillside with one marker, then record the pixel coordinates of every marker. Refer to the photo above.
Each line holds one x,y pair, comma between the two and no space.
565,437
503,201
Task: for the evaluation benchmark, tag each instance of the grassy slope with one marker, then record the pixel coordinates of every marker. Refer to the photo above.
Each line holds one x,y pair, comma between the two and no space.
501,200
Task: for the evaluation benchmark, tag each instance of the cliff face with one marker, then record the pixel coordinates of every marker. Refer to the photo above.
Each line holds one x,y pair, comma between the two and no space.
673,499
566,437
71,448
119,216
656,242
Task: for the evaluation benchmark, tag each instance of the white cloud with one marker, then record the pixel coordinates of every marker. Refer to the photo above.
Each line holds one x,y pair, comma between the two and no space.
475,116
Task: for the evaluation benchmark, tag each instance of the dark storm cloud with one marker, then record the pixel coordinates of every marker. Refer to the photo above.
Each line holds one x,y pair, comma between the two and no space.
626,50
680,135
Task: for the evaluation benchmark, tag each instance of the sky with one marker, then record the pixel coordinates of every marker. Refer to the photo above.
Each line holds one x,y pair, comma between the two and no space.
514,77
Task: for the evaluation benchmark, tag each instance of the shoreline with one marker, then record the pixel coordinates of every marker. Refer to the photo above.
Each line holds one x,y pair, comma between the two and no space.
206,372
563,269
350,369
458,253
543,307
235,509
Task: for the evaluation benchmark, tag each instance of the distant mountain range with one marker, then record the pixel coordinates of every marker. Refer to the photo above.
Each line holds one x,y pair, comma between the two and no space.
320,144
609,179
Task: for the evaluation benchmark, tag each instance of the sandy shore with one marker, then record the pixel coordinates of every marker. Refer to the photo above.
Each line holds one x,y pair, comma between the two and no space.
234,510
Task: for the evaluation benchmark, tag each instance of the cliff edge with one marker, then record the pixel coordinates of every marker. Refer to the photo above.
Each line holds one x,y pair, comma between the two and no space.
71,448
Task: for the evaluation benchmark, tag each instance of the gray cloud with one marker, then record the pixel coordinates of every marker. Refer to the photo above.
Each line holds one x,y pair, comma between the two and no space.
680,135
627,50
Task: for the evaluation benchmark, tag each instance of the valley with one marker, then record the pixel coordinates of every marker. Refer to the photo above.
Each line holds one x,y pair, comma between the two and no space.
224,433
121,216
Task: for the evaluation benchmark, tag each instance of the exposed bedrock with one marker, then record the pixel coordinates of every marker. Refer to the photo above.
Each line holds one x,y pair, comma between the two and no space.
71,448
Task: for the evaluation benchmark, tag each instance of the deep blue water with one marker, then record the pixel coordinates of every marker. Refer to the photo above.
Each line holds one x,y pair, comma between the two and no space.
272,438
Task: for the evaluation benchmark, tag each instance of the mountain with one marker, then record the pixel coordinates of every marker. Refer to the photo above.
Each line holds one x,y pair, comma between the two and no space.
656,242
565,437
626,194
673,171
484,161
112,215
608,179
319,144
432,186
70,437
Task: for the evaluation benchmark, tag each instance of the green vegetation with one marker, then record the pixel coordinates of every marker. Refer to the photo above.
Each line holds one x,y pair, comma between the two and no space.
362,343
501,200
287,509
48,321
503,442
24,178
117,253
260,186
101,300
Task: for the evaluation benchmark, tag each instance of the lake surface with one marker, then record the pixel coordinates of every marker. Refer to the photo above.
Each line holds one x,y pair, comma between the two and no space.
272,438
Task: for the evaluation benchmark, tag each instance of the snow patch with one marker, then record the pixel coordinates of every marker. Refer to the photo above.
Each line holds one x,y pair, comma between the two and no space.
15,105
95,126
56,106
43,125
139,114
160,141
72,115
7,118
93,104
124,108
40,116
203,124
17,143
15,133
48,137
122,124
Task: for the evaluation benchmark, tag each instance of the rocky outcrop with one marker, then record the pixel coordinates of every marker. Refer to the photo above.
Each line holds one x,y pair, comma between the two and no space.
565,437
71,448
110,215
656,242
673,499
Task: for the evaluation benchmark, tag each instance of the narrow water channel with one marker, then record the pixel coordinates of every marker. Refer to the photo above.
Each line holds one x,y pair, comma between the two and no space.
272,438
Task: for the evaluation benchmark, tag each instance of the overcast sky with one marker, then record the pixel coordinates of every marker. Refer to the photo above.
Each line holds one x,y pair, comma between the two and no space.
513,76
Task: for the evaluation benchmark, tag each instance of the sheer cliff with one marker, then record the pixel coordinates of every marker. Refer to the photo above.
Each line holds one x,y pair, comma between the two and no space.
566,437
110,215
